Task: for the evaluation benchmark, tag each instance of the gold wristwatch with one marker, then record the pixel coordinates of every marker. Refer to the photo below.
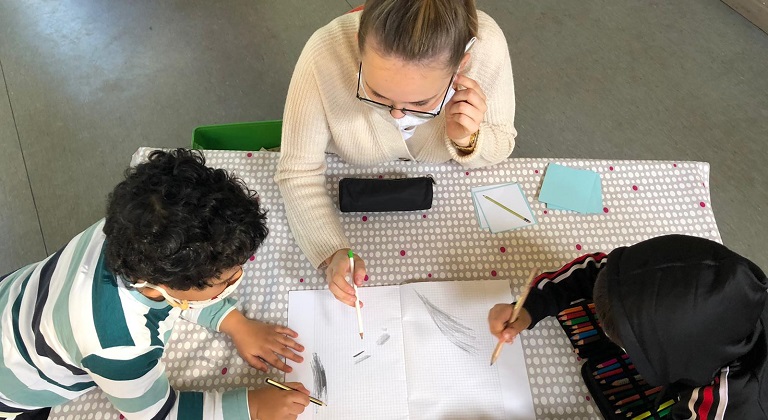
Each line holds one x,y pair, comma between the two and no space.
471,146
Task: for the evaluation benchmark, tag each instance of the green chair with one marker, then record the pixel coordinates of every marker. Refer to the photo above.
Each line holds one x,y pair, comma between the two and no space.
240,136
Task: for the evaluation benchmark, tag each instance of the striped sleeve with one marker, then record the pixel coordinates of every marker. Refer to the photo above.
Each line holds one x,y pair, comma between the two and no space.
705,402
136,384
211,316
554,291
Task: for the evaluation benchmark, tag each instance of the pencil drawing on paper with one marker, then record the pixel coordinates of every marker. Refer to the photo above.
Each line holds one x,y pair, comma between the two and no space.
366,357
458,333
320,381
383,339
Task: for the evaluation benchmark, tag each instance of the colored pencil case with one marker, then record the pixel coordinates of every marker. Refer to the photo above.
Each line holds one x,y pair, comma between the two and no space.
380,195
616,387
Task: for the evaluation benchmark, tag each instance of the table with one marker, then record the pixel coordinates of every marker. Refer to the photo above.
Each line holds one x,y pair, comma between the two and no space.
642,199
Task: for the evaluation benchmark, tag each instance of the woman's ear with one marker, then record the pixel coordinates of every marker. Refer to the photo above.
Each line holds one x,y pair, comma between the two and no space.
464,61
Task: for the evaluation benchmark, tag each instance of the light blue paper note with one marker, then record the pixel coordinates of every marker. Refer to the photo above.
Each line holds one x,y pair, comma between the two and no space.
567,188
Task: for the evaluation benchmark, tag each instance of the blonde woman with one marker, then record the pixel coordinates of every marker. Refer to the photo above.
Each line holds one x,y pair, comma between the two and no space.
424,80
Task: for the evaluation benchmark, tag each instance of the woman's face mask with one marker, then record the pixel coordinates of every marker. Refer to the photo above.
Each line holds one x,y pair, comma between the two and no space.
184,304
409,78
409,122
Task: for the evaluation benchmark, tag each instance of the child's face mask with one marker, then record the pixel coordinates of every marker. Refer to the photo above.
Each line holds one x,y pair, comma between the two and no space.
193,304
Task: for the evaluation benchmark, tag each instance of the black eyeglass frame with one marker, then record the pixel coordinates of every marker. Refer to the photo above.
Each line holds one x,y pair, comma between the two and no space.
390,108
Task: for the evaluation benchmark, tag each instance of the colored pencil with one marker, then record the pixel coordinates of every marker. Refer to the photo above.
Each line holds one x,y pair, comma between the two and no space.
634,397
572,315
287,388
576,321
612,361
629,392
634,405
585,335
576,309
606,369
621,381
582,325
615,372
609,373
587,341
618,389
515,313
583,329
357,295
507,209
664,407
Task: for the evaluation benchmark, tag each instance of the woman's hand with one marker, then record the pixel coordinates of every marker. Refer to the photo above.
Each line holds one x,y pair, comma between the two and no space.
465,111
336,274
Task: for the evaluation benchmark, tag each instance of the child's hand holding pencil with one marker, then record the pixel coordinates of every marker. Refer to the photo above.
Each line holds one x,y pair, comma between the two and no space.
517,319
498,322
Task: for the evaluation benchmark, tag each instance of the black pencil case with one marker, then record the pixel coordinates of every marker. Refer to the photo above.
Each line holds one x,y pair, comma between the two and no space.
380,195
618,381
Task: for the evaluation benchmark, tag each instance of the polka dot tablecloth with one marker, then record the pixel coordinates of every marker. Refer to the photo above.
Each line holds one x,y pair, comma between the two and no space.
641,199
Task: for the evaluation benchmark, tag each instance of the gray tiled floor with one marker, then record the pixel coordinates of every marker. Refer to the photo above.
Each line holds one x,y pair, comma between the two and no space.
89,82
20,238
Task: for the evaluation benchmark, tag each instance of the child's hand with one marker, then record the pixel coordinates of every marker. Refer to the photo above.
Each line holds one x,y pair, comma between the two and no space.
498,322
259,343
272,403
336,274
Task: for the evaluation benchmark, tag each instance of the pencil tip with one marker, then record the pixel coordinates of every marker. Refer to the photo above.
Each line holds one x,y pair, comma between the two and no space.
361,336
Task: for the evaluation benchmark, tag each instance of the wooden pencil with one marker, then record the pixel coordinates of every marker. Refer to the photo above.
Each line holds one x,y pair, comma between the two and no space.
587,341
612,361
515,313
571,316
576,320
618,389
582,325
636,396
576,309
583,329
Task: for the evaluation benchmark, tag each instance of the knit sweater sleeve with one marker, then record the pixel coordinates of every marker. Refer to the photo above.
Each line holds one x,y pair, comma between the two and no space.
491,68
300,175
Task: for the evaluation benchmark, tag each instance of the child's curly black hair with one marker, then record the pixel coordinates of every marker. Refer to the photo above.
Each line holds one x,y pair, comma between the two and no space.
173,221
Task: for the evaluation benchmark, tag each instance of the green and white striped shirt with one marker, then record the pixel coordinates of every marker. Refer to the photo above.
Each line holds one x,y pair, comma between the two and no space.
69,325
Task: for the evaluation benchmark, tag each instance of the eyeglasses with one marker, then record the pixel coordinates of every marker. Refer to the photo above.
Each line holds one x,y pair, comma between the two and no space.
390,108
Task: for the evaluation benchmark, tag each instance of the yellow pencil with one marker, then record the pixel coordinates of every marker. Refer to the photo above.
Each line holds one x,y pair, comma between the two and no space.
506,208
515,313
287,388
648,413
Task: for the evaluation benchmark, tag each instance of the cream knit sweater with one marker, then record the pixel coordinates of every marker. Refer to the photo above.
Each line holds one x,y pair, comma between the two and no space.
323,115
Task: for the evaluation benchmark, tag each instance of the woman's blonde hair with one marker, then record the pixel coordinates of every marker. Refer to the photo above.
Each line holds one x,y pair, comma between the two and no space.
419,30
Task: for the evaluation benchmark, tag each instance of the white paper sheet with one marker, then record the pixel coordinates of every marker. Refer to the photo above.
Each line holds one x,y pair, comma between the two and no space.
495,218
433,360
